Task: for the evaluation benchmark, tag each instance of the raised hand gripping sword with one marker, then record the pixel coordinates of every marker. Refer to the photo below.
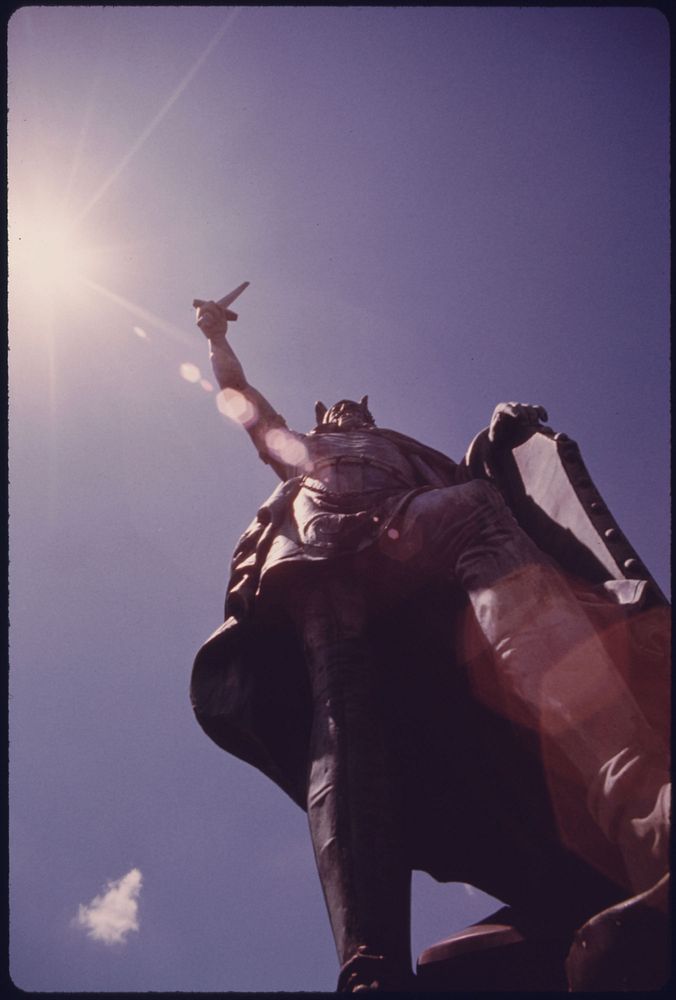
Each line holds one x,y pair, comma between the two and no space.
224,302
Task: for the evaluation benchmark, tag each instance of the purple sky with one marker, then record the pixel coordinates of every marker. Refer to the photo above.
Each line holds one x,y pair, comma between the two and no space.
440,207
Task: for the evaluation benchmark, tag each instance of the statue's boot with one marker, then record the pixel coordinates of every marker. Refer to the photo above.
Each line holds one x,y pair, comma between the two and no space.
352,812
625,948
630,801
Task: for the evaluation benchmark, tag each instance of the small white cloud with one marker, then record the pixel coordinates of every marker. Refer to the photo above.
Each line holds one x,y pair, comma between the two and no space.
110,917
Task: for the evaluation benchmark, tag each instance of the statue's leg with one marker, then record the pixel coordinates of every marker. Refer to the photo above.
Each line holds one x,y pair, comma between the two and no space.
552,672
351,807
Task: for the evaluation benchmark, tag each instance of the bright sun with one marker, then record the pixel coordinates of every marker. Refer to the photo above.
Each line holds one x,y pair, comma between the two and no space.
49,257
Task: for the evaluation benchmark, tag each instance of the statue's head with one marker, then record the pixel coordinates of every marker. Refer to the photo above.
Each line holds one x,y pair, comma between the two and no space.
345,415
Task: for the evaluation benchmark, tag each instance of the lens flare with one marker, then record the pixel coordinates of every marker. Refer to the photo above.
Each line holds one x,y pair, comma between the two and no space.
288,448
237,407
190,372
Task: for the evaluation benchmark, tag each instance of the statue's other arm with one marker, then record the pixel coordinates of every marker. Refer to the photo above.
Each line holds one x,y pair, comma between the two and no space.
509,418
253,410
508,422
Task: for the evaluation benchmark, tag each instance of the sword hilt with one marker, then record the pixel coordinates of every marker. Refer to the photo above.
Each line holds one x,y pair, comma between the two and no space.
229,314
224,302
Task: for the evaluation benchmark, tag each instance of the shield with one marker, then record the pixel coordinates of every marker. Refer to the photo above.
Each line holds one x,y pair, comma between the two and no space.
552,495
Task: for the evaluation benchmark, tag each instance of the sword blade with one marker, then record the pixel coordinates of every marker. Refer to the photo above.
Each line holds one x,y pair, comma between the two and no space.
225,302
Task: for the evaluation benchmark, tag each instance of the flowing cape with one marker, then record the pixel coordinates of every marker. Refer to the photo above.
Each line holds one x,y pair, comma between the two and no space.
249,689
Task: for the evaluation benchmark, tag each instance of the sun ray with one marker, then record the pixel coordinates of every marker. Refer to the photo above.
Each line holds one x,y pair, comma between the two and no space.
166,107
79,145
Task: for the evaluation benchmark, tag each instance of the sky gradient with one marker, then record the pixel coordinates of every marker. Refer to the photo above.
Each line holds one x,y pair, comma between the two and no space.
441,207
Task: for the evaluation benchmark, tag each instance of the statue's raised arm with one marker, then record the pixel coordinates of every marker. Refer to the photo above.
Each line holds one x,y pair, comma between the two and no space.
244,402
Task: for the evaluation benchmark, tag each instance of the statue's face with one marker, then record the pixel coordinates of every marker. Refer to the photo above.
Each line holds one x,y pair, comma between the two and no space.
348,415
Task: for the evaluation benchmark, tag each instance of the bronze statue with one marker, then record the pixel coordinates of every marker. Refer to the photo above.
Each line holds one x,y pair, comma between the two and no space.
437,691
